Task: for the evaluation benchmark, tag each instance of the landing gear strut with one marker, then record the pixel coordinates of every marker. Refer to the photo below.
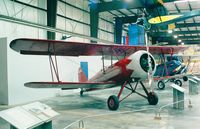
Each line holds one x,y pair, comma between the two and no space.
114,101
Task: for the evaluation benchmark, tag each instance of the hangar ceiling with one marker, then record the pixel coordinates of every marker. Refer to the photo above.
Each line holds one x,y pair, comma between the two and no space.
187,30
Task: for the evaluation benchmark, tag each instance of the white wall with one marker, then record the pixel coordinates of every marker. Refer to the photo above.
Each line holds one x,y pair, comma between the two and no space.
21,68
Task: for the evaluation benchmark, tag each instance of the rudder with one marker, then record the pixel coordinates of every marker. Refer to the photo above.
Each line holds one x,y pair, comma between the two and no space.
83,72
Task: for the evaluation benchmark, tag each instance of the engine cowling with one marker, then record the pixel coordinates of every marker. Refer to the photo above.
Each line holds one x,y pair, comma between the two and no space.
140,64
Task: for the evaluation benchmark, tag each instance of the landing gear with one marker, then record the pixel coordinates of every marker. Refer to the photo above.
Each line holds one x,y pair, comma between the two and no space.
81,92
152,98
185,78
178,82
161,85
113,102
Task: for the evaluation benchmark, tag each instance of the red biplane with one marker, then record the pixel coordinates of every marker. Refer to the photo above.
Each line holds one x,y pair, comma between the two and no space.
133,65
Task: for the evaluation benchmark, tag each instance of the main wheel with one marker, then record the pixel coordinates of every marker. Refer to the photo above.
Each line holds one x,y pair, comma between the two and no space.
178,82
161,85
113,102
152,98
185,78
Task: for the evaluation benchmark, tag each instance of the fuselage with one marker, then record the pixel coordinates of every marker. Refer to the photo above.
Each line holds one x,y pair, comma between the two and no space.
135,66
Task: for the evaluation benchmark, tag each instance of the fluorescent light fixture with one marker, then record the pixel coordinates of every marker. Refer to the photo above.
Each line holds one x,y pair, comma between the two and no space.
179,40
175,36
181,1
170,31
182,43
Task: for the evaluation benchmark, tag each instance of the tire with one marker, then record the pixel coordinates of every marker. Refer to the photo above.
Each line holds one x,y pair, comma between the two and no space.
161,85
113,102
152,98
178,82
185,78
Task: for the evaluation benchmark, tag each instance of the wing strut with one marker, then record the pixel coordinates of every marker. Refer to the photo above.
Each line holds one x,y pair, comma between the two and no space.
53,64
103,62
114,53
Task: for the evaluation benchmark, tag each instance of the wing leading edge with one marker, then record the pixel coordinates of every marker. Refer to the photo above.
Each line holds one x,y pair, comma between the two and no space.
70,85
63,48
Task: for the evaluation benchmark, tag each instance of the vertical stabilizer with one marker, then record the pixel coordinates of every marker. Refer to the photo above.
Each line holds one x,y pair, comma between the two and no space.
83,72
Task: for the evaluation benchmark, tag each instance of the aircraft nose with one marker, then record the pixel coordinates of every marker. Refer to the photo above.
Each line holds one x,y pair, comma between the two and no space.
146,61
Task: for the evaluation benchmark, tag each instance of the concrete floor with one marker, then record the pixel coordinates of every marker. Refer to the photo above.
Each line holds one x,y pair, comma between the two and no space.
133,113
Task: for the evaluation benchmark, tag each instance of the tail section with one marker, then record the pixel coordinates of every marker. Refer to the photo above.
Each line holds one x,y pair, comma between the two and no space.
83,72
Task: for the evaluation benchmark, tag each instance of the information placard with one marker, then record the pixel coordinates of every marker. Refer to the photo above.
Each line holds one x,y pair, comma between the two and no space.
20,118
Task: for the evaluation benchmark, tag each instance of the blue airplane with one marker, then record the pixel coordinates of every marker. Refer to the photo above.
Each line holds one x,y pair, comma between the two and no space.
169,70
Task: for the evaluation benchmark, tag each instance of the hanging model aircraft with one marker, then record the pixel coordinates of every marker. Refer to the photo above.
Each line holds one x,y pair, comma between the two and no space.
133,67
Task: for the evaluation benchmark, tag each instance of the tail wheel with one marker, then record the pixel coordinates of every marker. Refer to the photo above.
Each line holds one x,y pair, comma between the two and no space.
161,85
113,102
185,78
178,82
152,98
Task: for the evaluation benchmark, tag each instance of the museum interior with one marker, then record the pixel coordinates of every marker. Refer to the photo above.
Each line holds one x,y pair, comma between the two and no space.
99,64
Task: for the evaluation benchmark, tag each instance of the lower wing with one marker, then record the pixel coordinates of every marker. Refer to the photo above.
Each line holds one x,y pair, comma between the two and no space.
70,85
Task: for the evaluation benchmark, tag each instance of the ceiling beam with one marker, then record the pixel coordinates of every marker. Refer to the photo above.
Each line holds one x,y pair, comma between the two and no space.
128,19
119,22
179,37
191,42
189,37
166,34
51,17
116,5
171,40
94,22
182,25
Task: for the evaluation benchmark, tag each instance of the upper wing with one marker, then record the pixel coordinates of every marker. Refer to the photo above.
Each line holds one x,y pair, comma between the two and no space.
70,85
63,48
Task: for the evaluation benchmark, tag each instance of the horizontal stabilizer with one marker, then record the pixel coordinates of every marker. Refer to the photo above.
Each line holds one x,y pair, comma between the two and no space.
70,85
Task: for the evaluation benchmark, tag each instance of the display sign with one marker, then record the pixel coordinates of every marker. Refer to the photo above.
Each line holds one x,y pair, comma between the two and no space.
29,116
42,111
20,118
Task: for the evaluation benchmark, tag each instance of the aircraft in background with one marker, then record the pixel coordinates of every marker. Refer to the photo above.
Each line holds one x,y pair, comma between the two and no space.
170,71
133,65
